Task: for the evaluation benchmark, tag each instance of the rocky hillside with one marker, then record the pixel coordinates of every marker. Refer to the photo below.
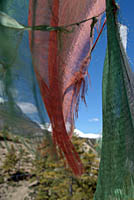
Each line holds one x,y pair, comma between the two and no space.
25,176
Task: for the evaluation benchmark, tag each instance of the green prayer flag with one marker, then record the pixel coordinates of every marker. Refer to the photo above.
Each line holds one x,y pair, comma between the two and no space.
116,172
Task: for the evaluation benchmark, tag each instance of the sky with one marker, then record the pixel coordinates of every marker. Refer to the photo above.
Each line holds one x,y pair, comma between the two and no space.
90,117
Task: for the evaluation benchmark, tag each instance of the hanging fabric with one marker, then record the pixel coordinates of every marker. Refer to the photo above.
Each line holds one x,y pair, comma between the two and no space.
115,179
60,60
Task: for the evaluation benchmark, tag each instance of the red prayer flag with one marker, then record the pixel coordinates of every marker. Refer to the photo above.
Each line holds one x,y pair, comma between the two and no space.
60,59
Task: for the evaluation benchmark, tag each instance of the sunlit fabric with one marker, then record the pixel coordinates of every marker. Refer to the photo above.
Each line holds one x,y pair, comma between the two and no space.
116,175
60,60
21,106
45,49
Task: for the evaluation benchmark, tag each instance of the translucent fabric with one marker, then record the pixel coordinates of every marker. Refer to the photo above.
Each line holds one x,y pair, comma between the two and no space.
45,51
21,106
60,59
116,175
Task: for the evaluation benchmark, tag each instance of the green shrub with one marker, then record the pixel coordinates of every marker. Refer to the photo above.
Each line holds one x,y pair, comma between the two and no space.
58,182
11,160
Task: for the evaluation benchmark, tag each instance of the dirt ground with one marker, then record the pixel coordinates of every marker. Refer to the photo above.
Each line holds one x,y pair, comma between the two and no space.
10,187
